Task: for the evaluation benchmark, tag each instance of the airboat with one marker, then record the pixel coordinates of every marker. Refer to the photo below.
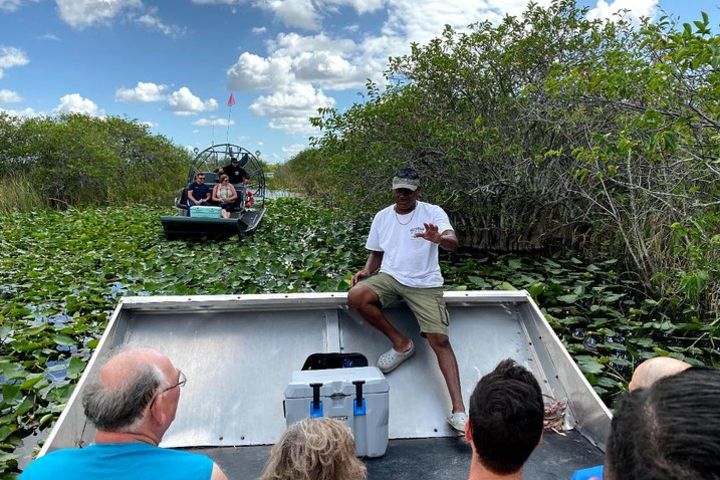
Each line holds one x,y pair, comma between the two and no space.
244,220
240,352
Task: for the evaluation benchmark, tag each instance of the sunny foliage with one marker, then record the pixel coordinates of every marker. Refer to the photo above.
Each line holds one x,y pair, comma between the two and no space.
551,129
81,160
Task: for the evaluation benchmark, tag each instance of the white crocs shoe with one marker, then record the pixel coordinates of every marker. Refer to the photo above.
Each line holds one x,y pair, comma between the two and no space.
390,360
457,421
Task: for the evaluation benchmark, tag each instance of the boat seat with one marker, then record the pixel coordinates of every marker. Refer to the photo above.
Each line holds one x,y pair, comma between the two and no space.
211,178
322,361
181,199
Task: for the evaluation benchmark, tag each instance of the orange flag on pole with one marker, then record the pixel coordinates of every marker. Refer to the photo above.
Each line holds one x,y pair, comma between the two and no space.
231,100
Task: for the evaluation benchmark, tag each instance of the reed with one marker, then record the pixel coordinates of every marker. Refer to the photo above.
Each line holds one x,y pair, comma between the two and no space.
19,194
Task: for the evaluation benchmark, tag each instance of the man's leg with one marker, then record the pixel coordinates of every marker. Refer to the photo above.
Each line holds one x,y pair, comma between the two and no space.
449,368
363,299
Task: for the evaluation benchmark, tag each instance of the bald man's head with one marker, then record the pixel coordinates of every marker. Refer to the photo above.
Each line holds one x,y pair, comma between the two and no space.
127,384
652,370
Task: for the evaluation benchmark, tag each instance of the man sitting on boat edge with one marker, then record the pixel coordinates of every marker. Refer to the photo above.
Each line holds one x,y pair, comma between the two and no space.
404,241
132,403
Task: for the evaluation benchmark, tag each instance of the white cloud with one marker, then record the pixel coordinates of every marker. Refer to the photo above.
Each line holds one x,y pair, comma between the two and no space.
11,57
8,96
294,44
252,72
24,113
290,107
326,62
83,13
150,124
218,122
50,36
636,8
75,103
421,21
293,13
293,149
215,2
10,5
143,92
184,102
360,6
151,20
258,30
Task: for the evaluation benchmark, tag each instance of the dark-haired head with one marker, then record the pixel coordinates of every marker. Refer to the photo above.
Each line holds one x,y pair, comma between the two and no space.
506,417
669,431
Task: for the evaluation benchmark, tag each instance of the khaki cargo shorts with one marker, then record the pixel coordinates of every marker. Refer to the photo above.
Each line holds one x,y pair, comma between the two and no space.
427,304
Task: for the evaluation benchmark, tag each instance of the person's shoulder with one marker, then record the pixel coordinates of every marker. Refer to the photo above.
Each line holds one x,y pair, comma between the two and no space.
384,212
189,461
49,464
430,207
387,210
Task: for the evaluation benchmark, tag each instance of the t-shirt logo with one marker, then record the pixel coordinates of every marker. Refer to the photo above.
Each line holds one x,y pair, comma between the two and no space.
415,230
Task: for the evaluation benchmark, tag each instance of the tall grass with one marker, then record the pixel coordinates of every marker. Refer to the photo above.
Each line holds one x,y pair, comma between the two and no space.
19,194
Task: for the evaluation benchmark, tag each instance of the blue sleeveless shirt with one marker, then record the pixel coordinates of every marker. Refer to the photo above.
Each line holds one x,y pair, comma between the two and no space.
120,461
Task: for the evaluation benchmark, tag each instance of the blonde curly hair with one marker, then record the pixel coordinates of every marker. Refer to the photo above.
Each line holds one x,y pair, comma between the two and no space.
315,449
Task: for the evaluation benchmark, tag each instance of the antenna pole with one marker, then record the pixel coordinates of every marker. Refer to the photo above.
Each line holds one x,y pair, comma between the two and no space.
227,135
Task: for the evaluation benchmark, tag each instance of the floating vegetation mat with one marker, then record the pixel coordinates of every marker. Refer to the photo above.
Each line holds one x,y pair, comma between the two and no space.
62,273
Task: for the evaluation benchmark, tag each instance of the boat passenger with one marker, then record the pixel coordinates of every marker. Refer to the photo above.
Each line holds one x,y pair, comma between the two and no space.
198,192
403,264
238,175
131,403
506,422
669,431
315,449
225,195
647,373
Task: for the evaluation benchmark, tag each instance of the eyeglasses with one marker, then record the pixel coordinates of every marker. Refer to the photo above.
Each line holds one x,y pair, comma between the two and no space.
201,178
182,380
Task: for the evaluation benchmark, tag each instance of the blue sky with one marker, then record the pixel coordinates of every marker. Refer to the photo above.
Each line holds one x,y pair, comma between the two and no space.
173,63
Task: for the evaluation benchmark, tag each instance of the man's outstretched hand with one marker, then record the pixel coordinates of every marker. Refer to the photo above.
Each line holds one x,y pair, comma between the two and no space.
431,233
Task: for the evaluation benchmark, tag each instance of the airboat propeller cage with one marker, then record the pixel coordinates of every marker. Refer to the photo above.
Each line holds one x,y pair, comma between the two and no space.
193,222
356,396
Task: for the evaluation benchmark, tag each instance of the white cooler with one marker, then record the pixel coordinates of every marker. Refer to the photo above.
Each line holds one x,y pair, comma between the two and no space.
334,393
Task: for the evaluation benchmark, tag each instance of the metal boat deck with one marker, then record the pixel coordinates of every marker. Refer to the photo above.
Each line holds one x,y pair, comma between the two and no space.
238,353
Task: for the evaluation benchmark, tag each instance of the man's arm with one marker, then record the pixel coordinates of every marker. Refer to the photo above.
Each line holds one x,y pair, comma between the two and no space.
373,263
447,239
191,196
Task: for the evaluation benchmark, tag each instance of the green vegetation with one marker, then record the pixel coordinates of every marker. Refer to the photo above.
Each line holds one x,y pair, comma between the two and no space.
594,143
74,160
551,129
62,273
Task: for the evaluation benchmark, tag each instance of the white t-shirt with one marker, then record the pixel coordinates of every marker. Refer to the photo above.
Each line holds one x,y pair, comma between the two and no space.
411,260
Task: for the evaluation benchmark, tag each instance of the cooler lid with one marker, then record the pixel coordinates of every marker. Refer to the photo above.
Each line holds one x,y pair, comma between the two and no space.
336,381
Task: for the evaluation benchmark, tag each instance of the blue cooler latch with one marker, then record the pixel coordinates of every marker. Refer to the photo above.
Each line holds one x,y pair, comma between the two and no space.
316,407
359,405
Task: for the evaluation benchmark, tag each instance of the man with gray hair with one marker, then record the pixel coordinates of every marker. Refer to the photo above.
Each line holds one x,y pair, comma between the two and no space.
132,403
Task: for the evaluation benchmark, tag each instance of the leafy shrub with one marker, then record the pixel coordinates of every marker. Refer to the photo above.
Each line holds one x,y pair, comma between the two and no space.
82,160
551,129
